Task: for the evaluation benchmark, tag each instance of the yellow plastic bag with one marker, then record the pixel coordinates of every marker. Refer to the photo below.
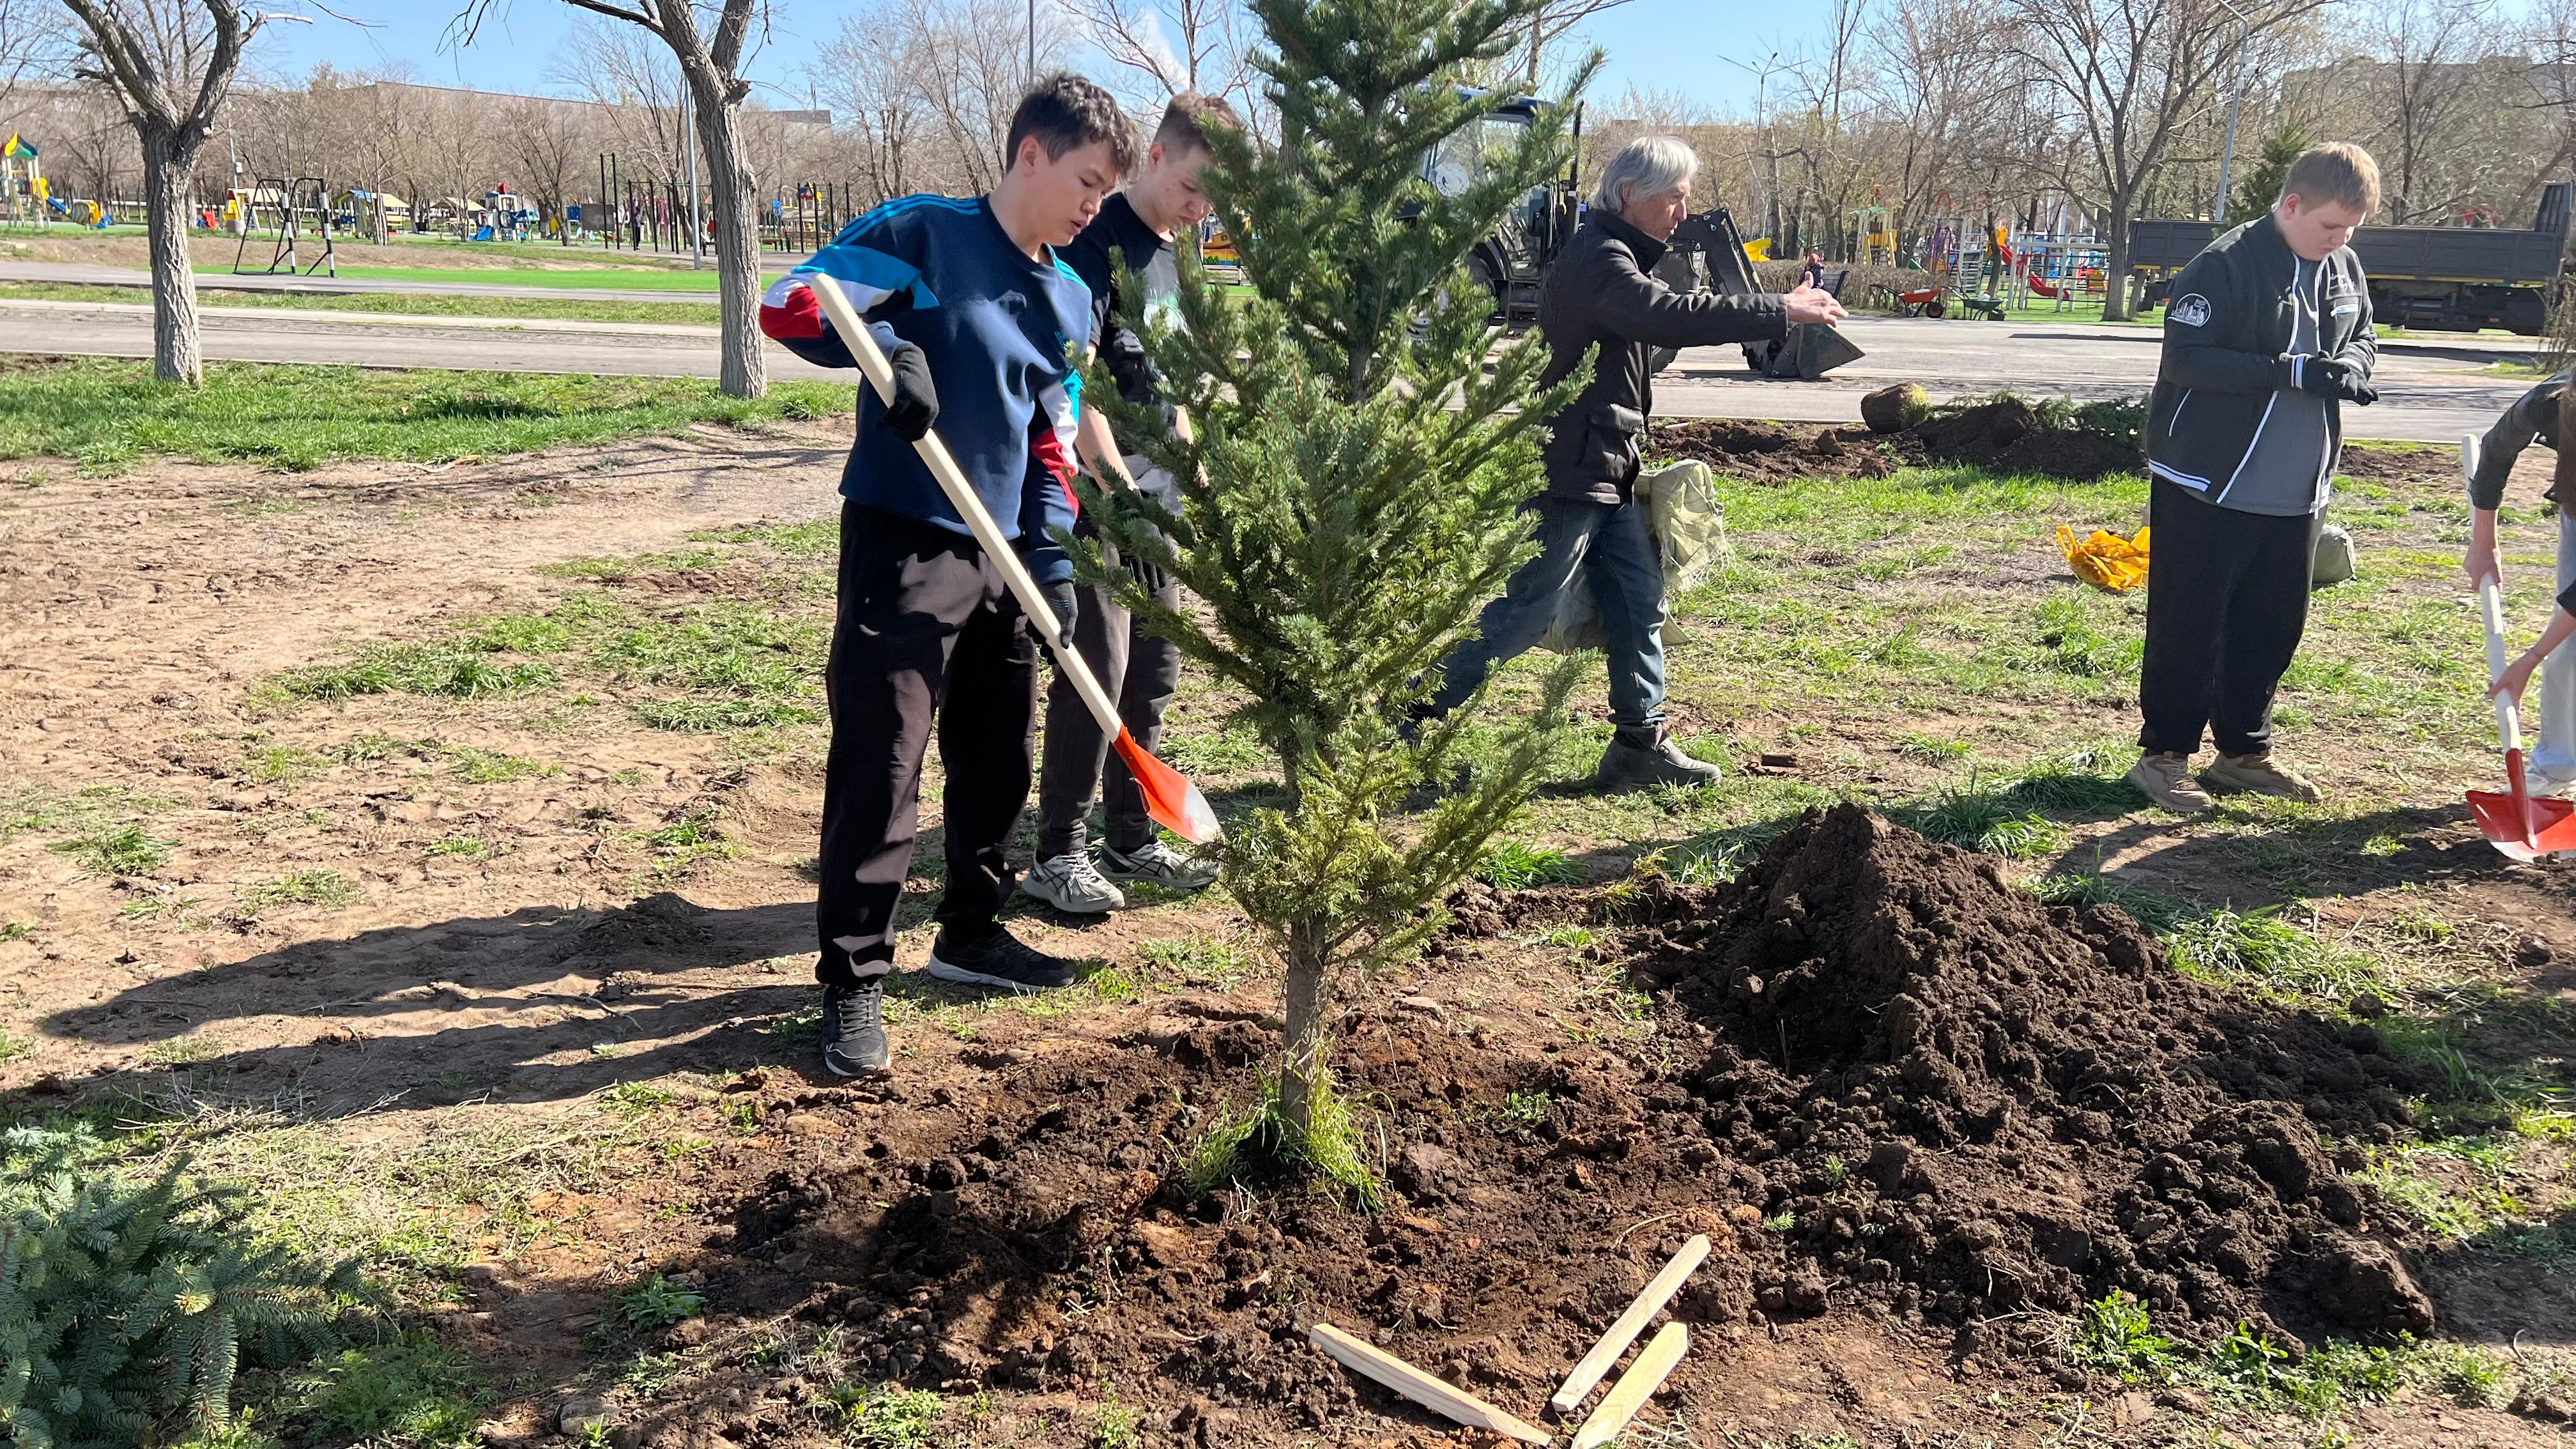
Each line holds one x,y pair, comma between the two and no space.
2106,560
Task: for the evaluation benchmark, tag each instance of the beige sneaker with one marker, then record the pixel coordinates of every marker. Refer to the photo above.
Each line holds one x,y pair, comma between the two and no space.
2553,787
2257,775
2166,779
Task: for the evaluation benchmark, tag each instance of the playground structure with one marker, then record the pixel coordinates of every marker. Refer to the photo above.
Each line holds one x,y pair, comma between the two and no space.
22,184
1872,237
1993,268
301,207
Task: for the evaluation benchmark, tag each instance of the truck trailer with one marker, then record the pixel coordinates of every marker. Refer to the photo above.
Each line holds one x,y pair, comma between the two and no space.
2425,278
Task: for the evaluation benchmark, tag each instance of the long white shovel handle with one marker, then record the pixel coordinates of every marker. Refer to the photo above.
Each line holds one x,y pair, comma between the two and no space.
2491,608
970,507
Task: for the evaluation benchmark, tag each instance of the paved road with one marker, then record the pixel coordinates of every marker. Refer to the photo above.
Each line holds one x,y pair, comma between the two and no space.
2431,391
89,275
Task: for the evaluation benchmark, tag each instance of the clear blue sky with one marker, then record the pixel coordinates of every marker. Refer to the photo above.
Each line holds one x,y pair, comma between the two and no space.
1655,44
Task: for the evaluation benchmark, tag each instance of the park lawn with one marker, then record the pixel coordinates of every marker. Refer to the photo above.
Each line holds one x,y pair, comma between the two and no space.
630,279
110,413
601,769
407,304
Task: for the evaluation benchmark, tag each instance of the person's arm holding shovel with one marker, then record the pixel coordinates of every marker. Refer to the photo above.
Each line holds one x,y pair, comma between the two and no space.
2517,675
2534,417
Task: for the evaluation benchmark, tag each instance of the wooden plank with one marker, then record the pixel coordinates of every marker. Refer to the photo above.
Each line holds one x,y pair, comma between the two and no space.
1658,1291
1654,1365
1421,1387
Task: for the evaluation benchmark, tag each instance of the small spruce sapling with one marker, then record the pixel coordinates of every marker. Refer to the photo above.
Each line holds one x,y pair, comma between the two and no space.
1352,493
126,1307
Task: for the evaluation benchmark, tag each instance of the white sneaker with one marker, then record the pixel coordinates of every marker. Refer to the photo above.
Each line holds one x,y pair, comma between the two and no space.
2553,787
1159,864
1072,884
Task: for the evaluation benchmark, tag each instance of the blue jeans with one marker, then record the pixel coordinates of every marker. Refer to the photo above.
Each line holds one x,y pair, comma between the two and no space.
1624,568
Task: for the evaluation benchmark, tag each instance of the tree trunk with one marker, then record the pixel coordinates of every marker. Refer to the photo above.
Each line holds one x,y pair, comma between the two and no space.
2115,262
175,357
744,373
1301,1061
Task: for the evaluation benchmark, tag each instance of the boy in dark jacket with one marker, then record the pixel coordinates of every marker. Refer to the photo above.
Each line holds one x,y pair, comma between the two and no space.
2538,415
1602,294
1138,669
2267,334
984,327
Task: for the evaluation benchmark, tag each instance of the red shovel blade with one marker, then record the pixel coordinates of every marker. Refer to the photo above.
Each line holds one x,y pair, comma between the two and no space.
1170,798
2522,827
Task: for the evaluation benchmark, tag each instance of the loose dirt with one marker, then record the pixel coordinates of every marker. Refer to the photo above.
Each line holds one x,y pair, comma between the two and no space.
1971,1103
2007,435
1891,1088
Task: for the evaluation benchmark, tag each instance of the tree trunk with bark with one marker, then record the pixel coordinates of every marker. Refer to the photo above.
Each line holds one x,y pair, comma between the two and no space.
742,371
176,356
1301,1060
2115,261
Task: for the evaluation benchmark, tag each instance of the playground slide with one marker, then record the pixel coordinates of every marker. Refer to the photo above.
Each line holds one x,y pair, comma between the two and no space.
2039,286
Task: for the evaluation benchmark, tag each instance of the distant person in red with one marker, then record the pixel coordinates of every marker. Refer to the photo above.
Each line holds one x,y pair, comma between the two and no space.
1814,275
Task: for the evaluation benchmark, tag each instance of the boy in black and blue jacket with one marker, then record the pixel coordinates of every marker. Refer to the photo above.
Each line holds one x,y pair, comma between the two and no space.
2267,334
985,328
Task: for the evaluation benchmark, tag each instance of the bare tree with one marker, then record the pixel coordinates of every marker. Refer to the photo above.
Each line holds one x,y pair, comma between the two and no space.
2420,90
970,67
866,76
2131,75
711,45
1171,46
642,100
549,145
169,69
1553,23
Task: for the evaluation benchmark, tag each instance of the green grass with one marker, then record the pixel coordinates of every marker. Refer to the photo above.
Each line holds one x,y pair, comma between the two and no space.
325,888
110,414
2258,951
606,279
656,1302
121,850
410,1391
407,304
448,671
1513,865
887,1416
1199,959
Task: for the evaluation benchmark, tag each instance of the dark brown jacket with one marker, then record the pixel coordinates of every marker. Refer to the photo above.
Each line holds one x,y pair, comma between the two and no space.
1602,293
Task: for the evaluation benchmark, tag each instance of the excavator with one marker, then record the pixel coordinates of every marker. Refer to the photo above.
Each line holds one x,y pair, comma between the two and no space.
1707,251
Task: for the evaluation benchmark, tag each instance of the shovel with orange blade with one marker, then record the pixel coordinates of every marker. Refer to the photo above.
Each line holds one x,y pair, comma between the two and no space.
1170,798
2516,823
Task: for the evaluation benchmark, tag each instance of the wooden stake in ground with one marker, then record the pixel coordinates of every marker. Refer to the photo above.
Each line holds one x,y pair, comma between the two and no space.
1658,1291
1637,1385
1421,1387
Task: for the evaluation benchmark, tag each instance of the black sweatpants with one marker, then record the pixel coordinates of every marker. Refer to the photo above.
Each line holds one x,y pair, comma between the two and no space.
2227,603
926,636
1140,671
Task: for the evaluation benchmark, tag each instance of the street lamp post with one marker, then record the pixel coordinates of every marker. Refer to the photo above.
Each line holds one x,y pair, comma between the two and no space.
2235,104
1762,124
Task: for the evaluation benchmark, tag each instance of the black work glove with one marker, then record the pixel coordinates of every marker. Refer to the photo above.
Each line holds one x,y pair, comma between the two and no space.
916,401
2320,376
2356,389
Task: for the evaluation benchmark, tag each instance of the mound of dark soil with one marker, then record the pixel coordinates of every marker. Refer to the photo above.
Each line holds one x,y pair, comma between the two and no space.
1973,1103
1771,453
2007,435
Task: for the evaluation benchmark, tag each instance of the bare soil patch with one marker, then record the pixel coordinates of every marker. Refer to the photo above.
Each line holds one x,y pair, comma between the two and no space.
2005,436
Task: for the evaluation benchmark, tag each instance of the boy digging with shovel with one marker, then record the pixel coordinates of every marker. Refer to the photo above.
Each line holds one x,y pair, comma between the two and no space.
982,325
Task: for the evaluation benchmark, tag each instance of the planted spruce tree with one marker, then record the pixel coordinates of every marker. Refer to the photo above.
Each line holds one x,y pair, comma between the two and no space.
1352,497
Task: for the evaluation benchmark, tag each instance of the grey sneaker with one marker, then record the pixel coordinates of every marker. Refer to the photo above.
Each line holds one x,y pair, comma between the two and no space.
854,1039
1157,864
2166,779
1072,884
2257,775
1641,757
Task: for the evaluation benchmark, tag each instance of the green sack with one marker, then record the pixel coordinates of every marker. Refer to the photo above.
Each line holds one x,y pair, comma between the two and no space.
1689,526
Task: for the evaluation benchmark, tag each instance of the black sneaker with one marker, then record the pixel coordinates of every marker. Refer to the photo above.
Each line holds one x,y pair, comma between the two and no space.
1000,959
854,1039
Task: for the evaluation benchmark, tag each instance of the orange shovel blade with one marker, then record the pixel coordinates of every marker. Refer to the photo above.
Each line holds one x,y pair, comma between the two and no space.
1170,798
2552,825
